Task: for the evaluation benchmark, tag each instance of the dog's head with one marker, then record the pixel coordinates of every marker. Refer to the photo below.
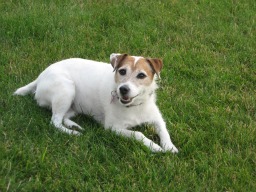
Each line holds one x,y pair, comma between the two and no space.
135,77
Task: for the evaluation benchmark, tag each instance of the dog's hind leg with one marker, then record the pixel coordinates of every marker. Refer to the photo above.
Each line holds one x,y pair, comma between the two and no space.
70,123
61,104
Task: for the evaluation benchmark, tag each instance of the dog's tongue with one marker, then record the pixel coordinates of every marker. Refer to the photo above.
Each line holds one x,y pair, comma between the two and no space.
125,98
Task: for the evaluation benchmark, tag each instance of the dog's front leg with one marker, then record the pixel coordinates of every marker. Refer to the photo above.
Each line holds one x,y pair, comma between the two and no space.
162,132
165,139
138,136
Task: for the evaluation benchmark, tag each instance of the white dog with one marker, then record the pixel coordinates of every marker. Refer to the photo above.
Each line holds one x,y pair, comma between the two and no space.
119,100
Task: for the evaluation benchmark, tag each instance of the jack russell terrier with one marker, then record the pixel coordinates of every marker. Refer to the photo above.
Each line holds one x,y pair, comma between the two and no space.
119,96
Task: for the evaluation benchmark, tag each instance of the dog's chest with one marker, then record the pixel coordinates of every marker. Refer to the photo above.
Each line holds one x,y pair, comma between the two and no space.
129,117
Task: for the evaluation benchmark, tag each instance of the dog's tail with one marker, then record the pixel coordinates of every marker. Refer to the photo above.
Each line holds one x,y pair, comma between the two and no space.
29,88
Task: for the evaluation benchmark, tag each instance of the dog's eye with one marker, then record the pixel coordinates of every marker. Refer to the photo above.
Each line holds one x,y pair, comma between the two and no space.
141,76
122,71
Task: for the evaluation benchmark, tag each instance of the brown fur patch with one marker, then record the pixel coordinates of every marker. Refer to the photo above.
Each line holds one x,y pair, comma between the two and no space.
118,61
143,65
156,65
128,60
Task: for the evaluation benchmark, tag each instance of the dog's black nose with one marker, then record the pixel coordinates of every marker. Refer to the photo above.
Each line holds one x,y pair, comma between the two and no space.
124,89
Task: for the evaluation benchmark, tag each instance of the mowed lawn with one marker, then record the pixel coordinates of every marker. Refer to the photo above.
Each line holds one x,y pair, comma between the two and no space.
207,95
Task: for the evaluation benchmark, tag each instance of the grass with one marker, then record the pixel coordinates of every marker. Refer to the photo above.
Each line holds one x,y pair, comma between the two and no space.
207,95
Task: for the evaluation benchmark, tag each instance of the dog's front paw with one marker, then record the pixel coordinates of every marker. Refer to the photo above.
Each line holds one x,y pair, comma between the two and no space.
170,148
76,133
155,148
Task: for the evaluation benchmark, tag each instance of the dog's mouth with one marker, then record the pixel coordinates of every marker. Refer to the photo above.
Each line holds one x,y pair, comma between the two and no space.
126,100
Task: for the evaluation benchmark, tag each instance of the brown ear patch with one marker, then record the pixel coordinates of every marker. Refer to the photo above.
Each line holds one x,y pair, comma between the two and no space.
156,65
116,62
143,65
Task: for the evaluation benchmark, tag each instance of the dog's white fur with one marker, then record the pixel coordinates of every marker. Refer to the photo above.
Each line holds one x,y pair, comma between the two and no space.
89,87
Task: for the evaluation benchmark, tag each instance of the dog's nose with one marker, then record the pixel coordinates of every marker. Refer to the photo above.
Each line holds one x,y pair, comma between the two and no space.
124,89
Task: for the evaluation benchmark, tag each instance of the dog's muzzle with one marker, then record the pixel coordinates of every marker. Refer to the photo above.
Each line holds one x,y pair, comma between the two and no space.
124,92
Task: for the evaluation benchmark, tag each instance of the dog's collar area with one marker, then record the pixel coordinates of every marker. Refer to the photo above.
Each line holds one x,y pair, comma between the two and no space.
151,93
114,96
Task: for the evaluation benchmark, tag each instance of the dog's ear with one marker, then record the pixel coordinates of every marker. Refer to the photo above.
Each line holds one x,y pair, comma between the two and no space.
116,59
156,65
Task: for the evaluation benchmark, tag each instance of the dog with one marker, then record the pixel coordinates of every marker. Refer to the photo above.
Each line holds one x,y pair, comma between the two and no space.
119,95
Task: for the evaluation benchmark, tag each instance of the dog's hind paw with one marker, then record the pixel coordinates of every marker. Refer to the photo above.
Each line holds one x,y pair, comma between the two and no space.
69,123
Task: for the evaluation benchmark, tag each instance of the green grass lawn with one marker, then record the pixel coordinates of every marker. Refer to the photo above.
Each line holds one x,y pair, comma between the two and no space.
207,95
